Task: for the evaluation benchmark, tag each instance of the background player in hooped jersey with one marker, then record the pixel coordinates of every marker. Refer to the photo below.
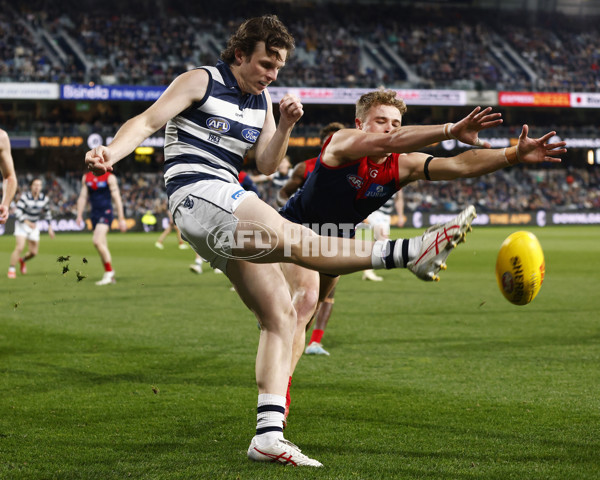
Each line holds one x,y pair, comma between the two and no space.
31,207
356,174
103,192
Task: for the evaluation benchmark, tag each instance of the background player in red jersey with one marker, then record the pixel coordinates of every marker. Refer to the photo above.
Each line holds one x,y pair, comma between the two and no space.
102,192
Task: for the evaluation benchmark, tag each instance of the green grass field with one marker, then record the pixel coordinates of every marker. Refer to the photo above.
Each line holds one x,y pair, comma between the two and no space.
153,377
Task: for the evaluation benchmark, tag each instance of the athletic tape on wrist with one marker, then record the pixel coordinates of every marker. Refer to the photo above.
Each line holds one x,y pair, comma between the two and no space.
511,155
448,131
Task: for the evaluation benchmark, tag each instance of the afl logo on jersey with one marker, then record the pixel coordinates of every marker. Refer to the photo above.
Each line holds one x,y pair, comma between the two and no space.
355,181
218,124
250,134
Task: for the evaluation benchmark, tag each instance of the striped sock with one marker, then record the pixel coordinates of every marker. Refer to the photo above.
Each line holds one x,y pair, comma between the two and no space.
269,418
391,253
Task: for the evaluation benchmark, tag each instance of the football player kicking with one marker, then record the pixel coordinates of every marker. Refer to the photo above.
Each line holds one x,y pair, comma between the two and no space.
358,171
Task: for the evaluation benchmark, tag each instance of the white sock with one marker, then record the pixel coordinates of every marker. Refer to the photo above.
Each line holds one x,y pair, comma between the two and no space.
269,418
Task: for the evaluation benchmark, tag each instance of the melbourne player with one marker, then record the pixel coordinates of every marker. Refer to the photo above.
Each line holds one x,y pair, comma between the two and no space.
102,191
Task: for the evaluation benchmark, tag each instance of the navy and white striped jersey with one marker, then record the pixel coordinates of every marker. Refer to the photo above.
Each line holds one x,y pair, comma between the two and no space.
388,207
32,209
279,180
210,139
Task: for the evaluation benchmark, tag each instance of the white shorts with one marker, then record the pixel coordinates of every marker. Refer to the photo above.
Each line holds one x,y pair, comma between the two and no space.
24,230
206,210
382,219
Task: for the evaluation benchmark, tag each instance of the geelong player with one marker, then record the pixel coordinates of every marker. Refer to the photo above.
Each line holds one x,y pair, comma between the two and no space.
31,207
213,116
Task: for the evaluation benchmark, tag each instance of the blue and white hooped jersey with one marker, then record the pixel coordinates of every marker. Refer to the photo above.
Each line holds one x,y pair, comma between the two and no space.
32,209
210,139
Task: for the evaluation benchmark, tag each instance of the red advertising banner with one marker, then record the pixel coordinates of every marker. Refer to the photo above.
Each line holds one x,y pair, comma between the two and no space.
534,99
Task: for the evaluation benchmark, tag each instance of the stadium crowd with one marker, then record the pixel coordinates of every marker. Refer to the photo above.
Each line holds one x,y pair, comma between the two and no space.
441,49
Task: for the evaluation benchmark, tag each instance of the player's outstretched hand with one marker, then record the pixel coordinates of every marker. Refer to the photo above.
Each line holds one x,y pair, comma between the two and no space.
290,109
98,160
467,129
536,150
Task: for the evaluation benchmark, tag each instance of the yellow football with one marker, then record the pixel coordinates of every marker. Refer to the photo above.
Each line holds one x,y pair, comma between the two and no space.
520,267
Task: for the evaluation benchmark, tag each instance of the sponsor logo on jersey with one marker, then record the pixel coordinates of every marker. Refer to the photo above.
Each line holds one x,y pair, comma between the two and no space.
218,124
250,134
375,191
355,180
238,194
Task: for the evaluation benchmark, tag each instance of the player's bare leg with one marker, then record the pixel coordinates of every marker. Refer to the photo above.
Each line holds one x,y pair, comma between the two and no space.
263,289
299,245
101,243
15,255
326,289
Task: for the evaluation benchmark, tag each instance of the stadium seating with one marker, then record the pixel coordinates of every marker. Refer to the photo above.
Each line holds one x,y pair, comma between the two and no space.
365,46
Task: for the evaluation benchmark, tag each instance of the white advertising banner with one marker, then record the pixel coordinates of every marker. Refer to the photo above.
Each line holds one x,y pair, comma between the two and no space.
29,91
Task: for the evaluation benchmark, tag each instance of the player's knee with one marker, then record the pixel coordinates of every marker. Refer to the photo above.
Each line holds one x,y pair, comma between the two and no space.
306,302
281,322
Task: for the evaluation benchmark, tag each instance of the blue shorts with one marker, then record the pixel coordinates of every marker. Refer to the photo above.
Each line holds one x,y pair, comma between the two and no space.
104,217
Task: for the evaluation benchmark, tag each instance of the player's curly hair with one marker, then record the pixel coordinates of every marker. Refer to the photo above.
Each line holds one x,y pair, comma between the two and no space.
378,97
268,29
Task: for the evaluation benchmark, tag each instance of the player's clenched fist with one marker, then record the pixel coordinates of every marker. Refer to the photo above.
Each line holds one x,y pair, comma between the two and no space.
290,108
98,160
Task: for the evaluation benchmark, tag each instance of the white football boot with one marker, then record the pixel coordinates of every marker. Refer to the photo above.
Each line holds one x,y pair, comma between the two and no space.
371,276
282,451
196,268
437,243
315,348
107,279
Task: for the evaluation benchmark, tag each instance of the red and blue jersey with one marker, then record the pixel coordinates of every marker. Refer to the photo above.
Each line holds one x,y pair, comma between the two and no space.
310,165
343,195
99,192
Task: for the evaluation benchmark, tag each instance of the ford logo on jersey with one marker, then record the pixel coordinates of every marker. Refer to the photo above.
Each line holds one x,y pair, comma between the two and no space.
355,180
219,124
238,194
250,134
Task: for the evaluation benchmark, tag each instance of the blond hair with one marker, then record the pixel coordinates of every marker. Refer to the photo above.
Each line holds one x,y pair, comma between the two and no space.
379,97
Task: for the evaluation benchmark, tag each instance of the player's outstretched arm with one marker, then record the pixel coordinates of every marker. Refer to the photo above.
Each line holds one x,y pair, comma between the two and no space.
348,145
475,163
181,93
